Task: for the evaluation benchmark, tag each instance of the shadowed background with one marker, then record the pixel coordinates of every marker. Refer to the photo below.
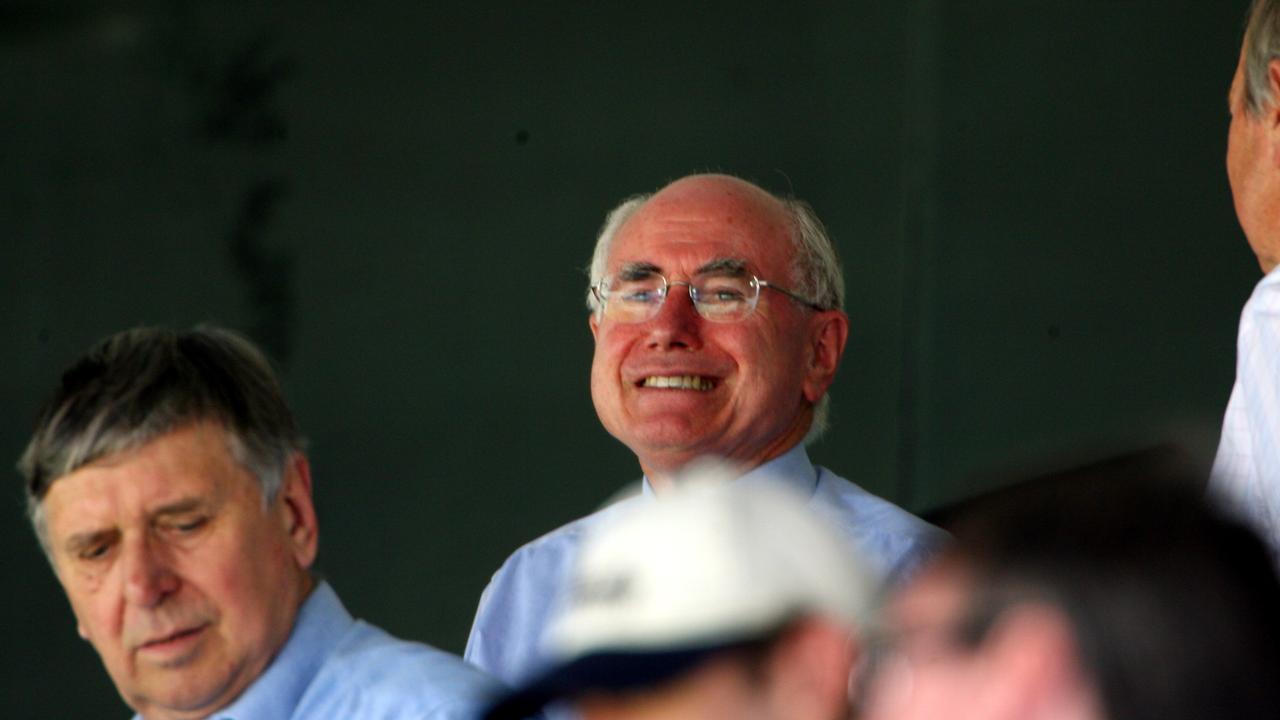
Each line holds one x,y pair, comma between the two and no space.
396,200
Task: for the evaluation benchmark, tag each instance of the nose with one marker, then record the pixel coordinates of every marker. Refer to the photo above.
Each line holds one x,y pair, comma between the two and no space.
148,578
677,325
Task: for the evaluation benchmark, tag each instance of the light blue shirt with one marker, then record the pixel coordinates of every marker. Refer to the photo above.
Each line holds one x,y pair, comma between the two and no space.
334,666
516,607
1246,471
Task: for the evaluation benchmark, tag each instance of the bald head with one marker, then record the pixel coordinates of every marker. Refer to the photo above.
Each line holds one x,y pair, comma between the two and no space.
737,202
815,265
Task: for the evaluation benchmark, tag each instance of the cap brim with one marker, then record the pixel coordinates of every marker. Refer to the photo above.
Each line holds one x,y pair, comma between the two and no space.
608,672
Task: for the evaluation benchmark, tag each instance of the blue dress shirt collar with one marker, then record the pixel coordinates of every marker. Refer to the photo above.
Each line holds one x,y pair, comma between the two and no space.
792,468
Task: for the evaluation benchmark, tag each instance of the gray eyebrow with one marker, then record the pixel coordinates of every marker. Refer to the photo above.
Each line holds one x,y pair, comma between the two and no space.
638,270
724,266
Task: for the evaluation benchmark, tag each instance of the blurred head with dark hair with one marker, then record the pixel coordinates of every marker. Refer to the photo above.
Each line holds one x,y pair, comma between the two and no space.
1111,591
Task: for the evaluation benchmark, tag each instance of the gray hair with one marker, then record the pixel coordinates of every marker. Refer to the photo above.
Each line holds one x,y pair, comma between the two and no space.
1261,46
139,384
815,269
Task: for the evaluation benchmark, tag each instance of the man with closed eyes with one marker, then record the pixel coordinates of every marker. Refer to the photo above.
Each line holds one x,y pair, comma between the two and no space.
167,484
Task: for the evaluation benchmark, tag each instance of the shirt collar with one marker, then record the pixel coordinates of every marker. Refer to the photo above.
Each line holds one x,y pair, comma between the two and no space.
319,626
792,468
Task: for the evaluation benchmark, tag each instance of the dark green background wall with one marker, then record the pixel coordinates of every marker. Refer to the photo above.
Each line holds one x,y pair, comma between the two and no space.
396,199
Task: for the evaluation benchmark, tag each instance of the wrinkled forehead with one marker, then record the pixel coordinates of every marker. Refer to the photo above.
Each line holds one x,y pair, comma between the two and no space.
192,461
686,233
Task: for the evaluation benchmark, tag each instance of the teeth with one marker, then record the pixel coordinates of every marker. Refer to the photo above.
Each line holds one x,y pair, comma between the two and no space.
682,382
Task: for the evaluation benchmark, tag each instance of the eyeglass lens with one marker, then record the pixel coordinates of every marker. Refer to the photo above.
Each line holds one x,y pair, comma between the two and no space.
720,298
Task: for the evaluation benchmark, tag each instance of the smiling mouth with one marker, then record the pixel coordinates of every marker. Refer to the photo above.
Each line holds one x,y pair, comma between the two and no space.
678,382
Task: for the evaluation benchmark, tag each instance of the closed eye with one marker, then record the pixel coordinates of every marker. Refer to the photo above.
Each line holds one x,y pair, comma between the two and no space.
92,546
186,526
94,552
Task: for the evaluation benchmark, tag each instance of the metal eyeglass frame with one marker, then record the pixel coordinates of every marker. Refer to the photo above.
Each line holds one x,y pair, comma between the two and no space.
602,297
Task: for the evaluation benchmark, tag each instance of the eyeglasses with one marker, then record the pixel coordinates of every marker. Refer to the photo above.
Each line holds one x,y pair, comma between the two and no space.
927,642
894,654
716,297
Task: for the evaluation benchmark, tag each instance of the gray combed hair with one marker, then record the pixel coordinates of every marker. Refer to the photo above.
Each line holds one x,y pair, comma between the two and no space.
815,269
139,384
1261,46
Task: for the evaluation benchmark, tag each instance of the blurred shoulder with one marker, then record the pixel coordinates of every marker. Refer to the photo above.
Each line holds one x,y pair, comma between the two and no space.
891,539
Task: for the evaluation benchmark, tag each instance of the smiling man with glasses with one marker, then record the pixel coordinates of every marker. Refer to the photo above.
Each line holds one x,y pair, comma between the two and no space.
718,325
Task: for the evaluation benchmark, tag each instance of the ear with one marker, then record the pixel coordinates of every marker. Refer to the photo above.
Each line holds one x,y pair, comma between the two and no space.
809,671
1273,81
297,511
828,332
1271,113
593,322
